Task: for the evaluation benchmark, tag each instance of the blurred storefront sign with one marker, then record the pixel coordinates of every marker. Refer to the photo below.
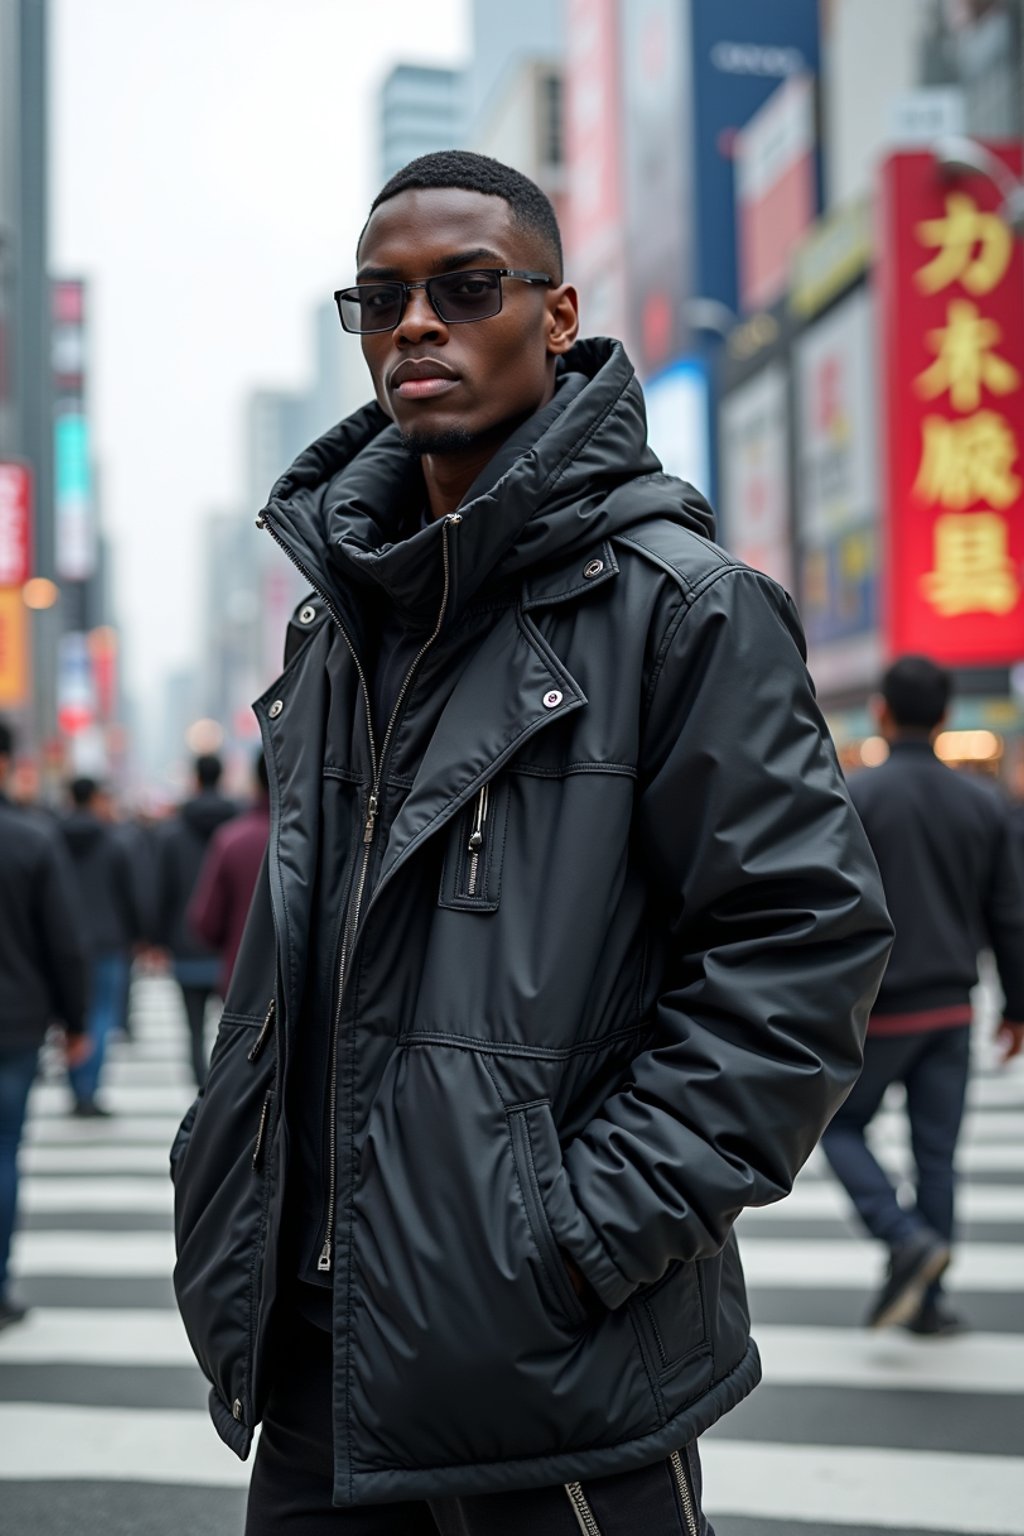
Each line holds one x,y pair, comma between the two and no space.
595,245
15,524
754,460
921,118
776,190
73,491
678,423
832,257
76,690
952,339
13,649
837,497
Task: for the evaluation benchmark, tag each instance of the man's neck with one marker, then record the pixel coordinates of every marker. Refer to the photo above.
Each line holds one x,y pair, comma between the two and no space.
448,476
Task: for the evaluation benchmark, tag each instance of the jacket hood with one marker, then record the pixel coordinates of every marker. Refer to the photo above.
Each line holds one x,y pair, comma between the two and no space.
206,812
579,470
82,833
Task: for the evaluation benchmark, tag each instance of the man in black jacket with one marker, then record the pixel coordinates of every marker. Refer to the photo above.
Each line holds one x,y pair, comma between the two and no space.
562,951
181,846
42,981
954,884
103,881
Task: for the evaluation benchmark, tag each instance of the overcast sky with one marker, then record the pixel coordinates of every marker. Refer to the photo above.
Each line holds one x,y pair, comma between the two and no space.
212,161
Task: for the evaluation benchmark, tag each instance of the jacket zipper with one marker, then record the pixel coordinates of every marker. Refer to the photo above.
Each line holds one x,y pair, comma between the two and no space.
260,1131
685,1494
582,1510
264,1034
351,918
476,838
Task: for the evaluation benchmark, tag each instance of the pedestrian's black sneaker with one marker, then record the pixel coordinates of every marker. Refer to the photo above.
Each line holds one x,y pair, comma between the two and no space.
88,1109
935,1321
11,1314
912,1268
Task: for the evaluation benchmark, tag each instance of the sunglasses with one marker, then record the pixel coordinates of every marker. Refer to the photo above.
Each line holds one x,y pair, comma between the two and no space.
456,298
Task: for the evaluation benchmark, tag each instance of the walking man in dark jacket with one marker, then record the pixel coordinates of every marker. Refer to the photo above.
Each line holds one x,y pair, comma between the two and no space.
42,981
564,946
221,900
954,883
103,881
181,845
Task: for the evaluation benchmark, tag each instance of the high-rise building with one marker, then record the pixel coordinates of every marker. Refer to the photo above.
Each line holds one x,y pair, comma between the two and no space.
421,110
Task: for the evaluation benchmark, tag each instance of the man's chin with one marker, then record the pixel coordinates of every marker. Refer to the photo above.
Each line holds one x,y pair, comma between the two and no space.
421,441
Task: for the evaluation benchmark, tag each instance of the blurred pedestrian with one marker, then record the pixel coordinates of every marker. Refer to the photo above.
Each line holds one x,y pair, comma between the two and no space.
182,843
42,981
105,896
223,895
563,950
954,884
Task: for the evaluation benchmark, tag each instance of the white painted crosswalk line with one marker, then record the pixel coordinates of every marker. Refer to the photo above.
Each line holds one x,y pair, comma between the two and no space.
81,1196
91,1133
826,1264
853,1357
140,1337
53,1441
76,1253
161,1099
814,1199
126,1159
915,1490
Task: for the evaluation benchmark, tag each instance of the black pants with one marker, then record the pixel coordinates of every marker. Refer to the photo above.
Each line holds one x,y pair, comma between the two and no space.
195,1000
932,1065
290,1493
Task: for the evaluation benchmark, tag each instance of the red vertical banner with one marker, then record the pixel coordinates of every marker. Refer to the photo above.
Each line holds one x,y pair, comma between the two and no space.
15,524
952,338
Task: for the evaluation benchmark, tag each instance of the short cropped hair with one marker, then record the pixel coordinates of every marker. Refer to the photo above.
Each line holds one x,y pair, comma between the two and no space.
461,168
7,739
82,791
208,770
917,691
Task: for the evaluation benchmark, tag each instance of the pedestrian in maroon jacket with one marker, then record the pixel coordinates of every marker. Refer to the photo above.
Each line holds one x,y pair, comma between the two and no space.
220,903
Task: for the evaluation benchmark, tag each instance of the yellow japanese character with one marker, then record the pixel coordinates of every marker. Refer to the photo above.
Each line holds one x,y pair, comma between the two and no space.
968,461
955,236
973,570
965,360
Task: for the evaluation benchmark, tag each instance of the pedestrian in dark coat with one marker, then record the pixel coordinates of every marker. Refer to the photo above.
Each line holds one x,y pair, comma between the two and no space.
564,946
181,847
106,899
221,900
42,982
954,882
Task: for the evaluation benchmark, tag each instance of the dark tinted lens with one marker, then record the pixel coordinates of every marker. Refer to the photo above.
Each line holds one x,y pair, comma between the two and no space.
466,295
371,307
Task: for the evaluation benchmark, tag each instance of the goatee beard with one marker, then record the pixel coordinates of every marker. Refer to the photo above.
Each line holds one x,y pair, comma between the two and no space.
451,440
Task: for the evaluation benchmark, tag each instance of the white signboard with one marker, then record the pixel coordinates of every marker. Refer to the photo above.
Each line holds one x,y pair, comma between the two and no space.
755,489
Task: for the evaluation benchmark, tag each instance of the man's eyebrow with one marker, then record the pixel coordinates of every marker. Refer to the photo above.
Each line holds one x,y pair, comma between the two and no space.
444,264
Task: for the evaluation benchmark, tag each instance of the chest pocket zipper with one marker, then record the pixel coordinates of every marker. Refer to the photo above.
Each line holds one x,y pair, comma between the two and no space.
471,876
582,1510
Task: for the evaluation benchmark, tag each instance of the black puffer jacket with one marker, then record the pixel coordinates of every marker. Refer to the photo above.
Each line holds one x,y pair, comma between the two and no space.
604,1026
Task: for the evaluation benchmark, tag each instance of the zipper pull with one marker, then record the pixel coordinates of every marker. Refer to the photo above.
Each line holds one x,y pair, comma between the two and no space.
323,1263
371,818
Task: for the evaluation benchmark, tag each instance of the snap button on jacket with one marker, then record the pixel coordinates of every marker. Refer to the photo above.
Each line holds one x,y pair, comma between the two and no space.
610,938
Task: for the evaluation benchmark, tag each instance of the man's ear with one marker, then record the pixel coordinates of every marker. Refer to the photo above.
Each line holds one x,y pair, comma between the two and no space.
563,319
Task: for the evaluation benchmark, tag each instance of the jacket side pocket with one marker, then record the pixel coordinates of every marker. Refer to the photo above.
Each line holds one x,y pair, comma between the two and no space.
528,1125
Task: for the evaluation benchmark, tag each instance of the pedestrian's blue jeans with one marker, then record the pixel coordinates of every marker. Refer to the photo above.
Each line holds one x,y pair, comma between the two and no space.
17,1069
933,1066
108,976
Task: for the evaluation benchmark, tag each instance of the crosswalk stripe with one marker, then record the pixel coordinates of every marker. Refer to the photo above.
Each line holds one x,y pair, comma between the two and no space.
835,1262
81,1196
845,1357
144,1337
53,1099
91,1133
105,1158
58,1442
94,1253
814,1199
909,1490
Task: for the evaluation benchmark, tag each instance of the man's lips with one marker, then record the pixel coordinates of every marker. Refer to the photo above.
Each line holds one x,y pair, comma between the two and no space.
422,379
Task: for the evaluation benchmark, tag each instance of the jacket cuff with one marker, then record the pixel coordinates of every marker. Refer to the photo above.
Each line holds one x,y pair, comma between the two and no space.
574,1232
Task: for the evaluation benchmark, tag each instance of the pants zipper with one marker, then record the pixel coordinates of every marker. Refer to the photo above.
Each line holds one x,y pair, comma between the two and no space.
582,1510
351,919
476,838
685,1494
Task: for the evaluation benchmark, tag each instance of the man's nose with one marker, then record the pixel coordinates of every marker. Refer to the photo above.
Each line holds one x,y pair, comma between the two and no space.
421,321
